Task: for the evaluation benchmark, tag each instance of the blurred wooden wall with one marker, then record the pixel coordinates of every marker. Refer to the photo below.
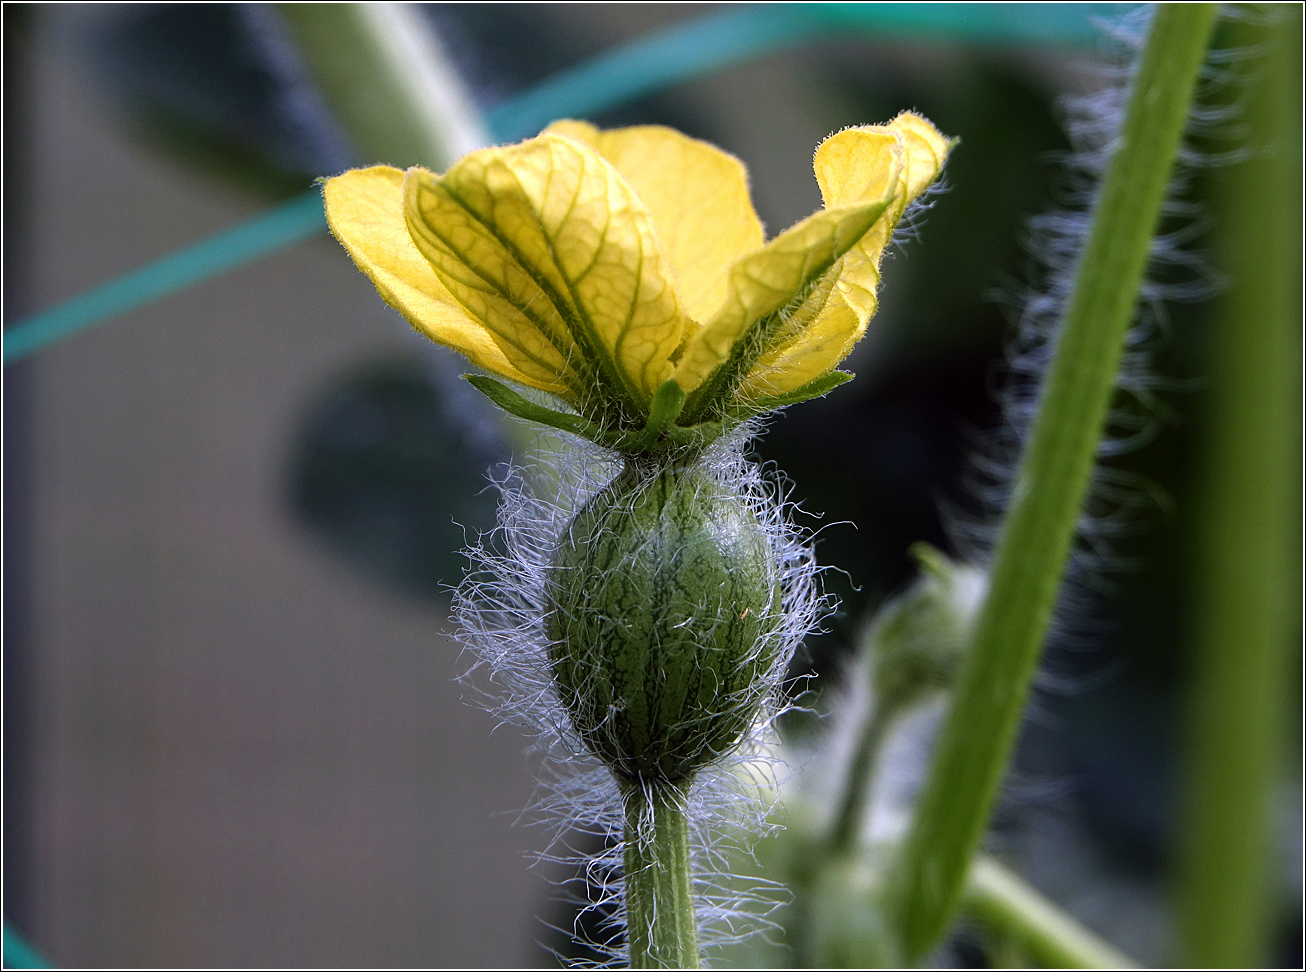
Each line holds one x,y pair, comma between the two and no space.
244,754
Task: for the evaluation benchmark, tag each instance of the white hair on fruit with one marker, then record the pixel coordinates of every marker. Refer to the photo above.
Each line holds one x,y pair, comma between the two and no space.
500,609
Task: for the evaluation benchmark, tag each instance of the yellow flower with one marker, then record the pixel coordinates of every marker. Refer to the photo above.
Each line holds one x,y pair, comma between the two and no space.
626,272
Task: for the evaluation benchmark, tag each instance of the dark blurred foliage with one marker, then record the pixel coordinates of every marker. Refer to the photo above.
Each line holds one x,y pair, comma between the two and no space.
210,84
389,461
389,472
219,87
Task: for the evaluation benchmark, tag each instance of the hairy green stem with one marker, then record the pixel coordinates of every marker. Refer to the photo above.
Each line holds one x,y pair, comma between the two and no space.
847,827
1003,902
381,70
1248,543
1036,534
660,918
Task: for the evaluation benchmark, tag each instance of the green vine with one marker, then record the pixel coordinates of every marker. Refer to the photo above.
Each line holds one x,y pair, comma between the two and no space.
385,82
1003,903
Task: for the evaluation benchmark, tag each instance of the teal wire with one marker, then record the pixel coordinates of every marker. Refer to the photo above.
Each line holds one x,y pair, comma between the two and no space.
716,41
274,230
20,955
643,66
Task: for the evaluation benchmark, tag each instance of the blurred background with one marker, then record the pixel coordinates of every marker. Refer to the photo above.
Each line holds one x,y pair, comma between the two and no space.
233,735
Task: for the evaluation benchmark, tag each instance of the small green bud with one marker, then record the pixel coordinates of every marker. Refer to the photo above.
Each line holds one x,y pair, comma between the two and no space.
919,638
664,606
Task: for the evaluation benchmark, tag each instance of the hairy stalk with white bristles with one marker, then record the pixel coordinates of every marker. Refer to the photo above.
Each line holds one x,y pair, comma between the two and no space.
1174,271
1052,479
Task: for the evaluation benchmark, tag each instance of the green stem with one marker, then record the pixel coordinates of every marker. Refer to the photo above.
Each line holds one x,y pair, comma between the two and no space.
1248,542
857,787
1003,902
380,68
661,922
1036,534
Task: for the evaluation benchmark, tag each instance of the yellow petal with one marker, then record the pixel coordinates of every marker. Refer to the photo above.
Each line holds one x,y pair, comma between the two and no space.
926,151
581,131
851,165
820,347
491,288
901,158
859,163
364,208
549,249
767,279
698,198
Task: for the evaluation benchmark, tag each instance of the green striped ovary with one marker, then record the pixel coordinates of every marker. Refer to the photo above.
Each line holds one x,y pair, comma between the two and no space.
663,617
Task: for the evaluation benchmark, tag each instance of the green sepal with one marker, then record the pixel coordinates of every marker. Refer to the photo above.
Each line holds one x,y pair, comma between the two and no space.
660,434
665,408
663,411
813,389
713,396
523,408
674,440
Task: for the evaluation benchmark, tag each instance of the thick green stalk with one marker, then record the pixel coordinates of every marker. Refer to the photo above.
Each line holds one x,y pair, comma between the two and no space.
660,918
1239,693
1003,902
380,68
1037,532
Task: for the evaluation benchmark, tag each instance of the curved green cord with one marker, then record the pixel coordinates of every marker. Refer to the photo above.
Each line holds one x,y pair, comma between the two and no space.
648,64
705,44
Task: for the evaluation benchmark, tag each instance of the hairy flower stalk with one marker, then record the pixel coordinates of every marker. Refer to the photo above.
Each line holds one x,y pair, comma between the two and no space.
641,610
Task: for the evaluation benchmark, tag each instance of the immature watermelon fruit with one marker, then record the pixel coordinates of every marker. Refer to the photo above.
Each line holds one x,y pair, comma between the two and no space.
663,617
